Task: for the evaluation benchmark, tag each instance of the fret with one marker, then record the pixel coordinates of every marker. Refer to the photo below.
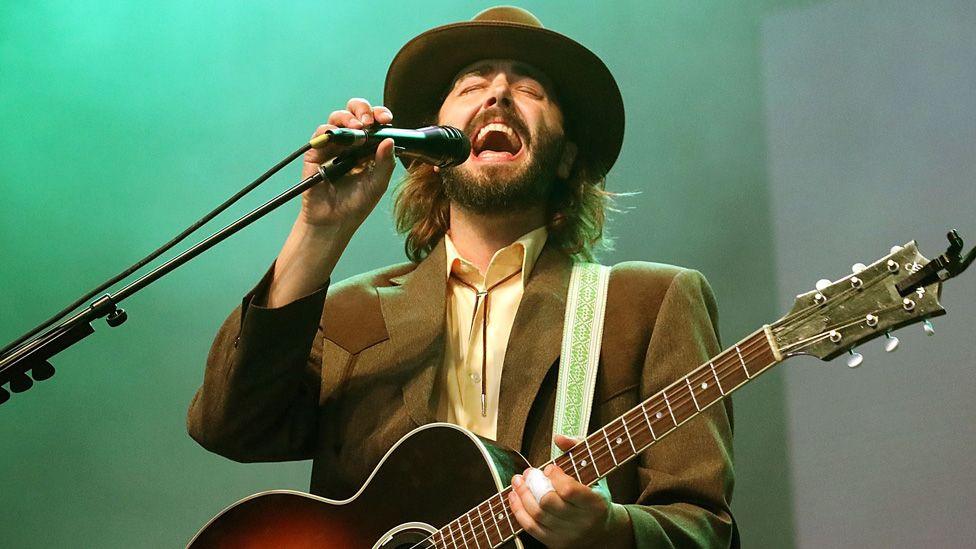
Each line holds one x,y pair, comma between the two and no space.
670,411
630,439
573,463
491,511
648,419
692,391
705,387
609,446
473,533
595,470
464,539
717,380
640,435
746,370
434,538
484,527
450,532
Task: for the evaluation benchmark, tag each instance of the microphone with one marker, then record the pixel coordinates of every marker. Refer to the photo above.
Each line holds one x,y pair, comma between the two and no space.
442,146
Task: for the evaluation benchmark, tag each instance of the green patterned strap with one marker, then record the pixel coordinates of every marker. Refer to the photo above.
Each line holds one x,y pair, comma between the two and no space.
586,303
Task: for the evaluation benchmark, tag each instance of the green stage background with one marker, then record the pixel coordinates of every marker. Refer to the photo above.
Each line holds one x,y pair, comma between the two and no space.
122,122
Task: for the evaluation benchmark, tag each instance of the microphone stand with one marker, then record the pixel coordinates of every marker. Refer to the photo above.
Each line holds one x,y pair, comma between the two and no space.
34,356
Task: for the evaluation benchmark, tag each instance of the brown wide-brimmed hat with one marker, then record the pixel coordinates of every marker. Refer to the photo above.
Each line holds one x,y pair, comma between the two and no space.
426,66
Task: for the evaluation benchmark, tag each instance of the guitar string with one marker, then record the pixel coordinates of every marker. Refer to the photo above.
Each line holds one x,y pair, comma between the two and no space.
685,400
826,331
753,348
465,532
828,306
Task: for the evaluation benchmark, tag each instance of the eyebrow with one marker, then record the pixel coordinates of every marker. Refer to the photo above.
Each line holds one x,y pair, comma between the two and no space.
518,69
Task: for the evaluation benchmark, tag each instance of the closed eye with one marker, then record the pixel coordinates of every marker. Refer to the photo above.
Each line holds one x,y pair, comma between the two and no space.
471,88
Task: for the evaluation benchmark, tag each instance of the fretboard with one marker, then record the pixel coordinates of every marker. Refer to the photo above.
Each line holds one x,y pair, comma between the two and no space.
491,523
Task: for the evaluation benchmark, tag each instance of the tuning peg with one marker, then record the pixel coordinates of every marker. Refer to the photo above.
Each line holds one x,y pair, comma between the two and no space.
896,249
855,359
42,371
20,383
891,343
823,284
858,267
928,328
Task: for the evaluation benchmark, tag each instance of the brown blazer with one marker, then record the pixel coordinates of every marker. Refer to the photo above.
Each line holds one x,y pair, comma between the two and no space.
341,383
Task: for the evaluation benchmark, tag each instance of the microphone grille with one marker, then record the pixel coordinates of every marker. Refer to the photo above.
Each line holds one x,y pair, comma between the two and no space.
461,149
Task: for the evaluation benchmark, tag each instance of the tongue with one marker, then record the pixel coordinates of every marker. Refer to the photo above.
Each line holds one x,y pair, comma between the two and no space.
495,155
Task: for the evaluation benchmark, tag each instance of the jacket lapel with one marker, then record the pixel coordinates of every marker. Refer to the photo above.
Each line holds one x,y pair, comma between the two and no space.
534,344
413,309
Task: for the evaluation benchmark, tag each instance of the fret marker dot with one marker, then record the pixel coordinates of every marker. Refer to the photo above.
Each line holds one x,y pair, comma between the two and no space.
705,385
500,516
619,440
583,463
659,415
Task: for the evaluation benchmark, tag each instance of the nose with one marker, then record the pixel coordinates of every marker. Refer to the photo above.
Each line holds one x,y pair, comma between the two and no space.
500,93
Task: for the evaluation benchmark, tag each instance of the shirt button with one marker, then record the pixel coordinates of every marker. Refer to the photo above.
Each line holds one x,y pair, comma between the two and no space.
475,378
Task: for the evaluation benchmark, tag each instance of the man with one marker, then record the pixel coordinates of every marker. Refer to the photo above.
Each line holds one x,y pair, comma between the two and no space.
296,373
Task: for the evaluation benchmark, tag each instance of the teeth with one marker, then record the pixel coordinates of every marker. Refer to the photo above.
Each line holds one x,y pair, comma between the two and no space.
496,127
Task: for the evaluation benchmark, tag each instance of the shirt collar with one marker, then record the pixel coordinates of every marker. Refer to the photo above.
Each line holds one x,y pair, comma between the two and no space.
522,253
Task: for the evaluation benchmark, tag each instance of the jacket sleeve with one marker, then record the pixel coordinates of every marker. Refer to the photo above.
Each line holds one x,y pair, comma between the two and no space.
685,480
260,392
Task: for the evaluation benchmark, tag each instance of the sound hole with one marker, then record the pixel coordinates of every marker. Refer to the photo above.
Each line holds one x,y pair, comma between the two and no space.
405,537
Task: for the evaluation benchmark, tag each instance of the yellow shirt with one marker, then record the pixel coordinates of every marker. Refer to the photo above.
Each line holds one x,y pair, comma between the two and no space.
459,398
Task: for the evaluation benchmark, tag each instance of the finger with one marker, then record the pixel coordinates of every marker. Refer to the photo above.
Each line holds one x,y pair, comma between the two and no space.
345,119
532,505
385,163
361,109
540,486
382,114
565,443
533,528
318,156
570,490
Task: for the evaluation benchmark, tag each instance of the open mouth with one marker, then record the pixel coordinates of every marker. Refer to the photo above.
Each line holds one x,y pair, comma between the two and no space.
496,141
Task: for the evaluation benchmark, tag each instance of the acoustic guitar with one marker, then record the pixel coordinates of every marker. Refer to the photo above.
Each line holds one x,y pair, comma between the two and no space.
395,509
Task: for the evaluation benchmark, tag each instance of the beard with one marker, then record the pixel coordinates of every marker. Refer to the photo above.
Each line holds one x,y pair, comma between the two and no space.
500,188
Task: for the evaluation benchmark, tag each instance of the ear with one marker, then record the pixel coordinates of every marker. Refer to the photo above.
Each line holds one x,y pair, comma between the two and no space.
567,160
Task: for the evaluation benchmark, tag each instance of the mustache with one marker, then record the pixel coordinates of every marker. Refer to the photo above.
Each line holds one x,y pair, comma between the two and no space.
507,116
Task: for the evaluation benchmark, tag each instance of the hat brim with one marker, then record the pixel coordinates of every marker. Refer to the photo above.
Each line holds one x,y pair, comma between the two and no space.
422,70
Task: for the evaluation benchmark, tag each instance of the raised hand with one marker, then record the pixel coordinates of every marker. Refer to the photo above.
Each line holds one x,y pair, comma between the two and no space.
349,200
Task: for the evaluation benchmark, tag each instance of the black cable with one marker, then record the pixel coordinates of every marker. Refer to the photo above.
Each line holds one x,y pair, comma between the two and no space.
161,250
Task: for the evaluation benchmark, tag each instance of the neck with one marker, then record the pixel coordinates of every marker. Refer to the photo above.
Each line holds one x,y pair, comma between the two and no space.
478,236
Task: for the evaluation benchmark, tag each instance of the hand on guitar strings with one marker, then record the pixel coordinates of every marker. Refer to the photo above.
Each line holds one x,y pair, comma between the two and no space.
568,513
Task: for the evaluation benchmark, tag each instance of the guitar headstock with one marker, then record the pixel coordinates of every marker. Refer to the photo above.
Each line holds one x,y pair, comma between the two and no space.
866,304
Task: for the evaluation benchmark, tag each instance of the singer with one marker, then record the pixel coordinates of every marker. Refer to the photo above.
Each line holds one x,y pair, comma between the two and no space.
468,330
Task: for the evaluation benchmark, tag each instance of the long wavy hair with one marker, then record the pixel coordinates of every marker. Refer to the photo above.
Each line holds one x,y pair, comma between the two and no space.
576,211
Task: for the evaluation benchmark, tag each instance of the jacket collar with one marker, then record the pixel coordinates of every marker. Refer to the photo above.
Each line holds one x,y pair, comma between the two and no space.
534,344
413,309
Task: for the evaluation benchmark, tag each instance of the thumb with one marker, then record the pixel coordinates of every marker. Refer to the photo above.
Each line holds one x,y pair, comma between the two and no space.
565,443
384,161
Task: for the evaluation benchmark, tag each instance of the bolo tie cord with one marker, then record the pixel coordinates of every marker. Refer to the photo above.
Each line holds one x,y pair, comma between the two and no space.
478,295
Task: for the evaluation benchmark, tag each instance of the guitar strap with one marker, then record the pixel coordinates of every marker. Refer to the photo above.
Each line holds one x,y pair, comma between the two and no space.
586,304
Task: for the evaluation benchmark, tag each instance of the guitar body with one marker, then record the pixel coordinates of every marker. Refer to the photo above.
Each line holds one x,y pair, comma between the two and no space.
427,479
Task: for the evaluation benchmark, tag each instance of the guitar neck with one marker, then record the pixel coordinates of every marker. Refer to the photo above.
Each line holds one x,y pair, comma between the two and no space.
625,437
636,430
